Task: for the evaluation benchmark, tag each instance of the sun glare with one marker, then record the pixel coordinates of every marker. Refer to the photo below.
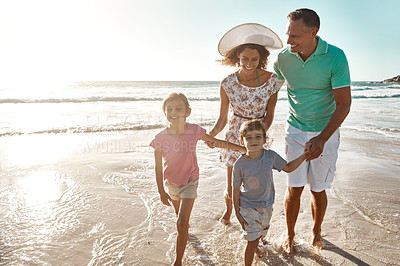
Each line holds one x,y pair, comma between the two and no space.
41,187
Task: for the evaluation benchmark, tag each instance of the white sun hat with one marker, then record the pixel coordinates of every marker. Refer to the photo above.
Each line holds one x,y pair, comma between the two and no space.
249,33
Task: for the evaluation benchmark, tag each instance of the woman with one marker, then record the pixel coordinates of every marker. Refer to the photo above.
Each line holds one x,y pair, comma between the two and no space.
250,92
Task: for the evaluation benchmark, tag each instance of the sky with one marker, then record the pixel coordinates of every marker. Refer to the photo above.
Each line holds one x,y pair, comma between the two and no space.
129,40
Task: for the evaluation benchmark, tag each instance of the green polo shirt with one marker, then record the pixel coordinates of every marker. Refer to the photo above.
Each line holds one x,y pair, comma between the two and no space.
310,84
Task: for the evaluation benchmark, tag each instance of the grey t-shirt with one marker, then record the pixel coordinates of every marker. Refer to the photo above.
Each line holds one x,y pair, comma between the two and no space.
254,178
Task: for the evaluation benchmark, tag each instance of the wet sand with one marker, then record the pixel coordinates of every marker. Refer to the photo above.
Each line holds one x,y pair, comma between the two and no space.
361,226
108,211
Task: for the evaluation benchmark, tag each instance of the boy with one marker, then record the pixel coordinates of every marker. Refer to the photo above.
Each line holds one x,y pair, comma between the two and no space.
253,186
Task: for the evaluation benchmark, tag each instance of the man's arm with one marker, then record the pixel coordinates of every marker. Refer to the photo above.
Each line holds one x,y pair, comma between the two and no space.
343,103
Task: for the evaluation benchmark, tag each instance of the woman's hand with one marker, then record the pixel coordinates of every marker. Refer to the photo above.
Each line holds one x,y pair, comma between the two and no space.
210,144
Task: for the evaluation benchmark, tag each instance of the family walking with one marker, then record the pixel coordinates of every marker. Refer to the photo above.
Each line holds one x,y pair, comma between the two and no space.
318,91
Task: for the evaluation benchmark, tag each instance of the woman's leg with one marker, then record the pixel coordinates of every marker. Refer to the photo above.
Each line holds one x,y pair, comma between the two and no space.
225,219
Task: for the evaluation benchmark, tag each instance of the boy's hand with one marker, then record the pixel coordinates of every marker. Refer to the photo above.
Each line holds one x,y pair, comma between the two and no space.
165,198
307,147
314,147
241,220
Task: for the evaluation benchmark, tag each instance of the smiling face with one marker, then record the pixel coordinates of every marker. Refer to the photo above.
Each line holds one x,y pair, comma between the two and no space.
254,140
176,111
301,38
249,59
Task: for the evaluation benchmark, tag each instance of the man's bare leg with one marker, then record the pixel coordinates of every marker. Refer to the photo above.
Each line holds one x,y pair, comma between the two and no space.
292,207
319,203
225,218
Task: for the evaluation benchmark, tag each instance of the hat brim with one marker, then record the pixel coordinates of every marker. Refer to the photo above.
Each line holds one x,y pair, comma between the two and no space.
249,33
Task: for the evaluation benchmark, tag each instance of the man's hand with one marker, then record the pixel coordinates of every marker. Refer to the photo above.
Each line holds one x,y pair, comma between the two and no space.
165,198
313,148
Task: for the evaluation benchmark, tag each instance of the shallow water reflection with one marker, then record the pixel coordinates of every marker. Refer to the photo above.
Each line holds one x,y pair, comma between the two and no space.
41,187
32,215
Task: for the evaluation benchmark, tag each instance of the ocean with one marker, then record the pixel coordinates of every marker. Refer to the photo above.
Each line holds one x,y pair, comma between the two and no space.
77,179
87,107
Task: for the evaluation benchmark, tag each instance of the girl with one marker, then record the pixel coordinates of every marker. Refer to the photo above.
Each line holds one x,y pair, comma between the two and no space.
176,163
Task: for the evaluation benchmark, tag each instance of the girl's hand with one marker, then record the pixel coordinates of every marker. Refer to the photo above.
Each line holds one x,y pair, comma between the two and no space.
165,198
210,144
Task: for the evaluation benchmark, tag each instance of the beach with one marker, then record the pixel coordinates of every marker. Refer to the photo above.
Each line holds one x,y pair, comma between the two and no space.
80,190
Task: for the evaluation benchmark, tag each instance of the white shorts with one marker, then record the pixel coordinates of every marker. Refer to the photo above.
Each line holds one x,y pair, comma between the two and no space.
258,220
319,172
188,191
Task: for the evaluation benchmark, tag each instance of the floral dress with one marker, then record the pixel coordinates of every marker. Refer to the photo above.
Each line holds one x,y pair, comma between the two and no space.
245,103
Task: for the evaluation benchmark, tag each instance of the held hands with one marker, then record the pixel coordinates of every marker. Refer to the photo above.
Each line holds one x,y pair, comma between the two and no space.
165,198
313,148
210,144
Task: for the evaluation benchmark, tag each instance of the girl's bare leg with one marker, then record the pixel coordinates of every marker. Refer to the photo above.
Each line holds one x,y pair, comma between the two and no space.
177,204
183,229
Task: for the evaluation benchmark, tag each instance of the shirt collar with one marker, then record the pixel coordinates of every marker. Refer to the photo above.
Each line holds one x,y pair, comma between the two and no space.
322,47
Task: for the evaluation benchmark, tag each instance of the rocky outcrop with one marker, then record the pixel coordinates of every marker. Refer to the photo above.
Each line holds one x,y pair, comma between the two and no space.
394,79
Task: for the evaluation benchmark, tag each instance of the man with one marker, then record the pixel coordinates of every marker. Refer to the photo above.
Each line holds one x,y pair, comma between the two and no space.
318,87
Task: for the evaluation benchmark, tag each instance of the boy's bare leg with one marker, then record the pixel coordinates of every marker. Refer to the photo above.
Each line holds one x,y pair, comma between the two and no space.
225,218
263,240
251,248
260,253
292,207
319,203
183,228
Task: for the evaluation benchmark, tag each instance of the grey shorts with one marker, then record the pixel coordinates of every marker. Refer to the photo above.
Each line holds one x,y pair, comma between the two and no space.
188,191
258,220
